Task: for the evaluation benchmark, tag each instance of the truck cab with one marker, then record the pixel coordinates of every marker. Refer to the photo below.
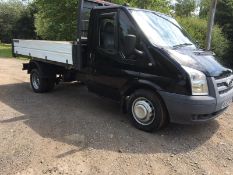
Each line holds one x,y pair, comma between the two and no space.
146,61
147,50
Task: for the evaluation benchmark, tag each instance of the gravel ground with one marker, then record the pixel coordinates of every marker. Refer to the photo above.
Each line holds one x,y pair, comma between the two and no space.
71,131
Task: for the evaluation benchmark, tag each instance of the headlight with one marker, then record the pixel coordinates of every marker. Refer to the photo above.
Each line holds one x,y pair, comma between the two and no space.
198,81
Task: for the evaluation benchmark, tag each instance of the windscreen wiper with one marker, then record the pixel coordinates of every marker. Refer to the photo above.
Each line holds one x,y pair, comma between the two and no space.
182,45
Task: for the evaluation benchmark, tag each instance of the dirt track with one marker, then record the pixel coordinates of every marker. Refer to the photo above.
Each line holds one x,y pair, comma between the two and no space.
71,131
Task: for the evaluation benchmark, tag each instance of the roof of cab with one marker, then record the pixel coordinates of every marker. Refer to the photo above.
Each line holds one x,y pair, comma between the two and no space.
102,2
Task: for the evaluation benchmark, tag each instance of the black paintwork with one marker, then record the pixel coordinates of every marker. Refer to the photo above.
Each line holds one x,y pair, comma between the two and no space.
200,60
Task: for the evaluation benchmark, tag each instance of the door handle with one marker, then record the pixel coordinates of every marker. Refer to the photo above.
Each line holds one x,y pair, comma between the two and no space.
92,57
92,62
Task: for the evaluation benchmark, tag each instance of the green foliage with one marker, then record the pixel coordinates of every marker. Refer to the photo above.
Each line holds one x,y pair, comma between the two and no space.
204,8
197,28
5,50
157,5
16,21
56,19
9,14
185,7
224,18
24,27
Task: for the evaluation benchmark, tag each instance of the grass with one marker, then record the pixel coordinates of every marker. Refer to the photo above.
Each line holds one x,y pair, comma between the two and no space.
5,50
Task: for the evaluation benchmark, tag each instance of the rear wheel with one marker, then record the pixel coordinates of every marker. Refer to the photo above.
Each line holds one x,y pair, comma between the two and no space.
147,111
39,84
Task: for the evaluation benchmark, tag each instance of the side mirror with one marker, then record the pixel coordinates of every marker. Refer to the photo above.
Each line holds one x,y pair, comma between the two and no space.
130,44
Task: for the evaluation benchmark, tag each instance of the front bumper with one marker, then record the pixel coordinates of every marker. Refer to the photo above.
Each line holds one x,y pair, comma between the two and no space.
194,109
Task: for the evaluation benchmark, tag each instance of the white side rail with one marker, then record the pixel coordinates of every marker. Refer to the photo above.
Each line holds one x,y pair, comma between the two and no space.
57,51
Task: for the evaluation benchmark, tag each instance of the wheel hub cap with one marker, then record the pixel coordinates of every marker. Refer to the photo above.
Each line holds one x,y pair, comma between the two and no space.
143,111
35,81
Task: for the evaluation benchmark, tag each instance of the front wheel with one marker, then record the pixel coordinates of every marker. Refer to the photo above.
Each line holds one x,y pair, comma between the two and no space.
147,111
39,84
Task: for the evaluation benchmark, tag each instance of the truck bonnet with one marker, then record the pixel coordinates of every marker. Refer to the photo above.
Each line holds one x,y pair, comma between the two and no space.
200,60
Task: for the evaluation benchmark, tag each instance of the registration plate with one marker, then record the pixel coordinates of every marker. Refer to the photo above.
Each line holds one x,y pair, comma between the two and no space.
227,103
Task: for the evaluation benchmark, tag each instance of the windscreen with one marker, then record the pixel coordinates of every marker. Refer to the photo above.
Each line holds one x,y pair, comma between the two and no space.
160,30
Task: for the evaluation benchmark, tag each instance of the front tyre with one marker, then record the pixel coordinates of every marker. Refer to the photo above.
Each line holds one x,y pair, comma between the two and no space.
39,84
147,111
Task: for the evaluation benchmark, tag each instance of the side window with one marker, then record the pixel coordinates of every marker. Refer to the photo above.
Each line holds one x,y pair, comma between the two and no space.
107,32
125,28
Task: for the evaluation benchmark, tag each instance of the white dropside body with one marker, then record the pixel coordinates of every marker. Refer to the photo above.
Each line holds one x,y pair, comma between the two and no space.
57,51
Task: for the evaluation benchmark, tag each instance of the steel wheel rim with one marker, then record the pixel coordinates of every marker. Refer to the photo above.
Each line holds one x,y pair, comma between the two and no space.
35,81
143,111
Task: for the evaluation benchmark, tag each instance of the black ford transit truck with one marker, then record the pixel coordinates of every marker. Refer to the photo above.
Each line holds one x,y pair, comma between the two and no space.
143,59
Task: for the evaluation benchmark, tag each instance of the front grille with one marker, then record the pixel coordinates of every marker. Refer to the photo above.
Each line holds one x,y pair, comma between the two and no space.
224,85
223,76
225,91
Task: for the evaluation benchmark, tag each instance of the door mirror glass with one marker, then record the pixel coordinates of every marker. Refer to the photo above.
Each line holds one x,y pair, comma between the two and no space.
130,44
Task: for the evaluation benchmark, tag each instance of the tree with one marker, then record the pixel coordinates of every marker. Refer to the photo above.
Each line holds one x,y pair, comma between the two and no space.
157,5
16,21
25,27
224,18
57,19
9,13
204,8
185,7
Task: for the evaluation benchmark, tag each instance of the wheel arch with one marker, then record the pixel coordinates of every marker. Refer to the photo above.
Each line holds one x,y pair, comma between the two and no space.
46,70
137,85
33,65
132,86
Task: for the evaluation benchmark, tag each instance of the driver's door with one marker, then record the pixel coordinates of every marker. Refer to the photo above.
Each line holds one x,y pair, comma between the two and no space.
112,69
